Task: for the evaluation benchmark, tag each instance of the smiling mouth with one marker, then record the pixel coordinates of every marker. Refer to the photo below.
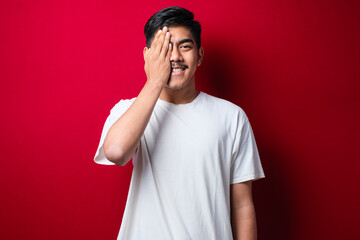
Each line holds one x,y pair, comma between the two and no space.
178,68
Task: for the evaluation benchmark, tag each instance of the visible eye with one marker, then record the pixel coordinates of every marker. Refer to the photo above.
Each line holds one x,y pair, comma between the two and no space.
186,46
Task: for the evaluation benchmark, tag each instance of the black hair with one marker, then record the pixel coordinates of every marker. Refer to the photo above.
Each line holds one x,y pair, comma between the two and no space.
172,16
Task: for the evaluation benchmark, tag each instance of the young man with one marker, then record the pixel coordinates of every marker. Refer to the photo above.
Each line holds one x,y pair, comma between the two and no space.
194,155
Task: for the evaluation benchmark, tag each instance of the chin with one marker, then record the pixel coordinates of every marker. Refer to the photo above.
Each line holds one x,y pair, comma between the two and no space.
177,85
174,87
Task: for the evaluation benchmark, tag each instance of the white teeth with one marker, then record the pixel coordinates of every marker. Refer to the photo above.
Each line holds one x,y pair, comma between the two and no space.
176,69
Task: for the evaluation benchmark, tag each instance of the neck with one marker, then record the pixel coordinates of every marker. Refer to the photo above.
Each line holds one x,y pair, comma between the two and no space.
182,96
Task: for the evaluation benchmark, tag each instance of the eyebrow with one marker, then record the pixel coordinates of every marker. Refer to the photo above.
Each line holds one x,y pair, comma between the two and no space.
186,40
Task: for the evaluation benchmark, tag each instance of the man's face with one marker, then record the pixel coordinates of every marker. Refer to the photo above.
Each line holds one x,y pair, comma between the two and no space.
185,58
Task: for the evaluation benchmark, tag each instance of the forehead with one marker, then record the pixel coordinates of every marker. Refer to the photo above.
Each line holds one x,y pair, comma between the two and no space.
179,33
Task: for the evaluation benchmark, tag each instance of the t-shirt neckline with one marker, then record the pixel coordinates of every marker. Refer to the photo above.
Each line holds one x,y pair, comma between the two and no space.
181,105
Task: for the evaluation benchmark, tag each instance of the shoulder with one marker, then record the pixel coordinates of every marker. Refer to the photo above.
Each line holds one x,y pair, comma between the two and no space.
224,107
122,106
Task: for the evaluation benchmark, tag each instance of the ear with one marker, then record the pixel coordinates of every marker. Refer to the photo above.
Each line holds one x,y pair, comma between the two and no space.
146,50
200,56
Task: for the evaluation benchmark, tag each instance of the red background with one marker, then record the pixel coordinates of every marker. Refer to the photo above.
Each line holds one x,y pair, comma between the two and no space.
293,66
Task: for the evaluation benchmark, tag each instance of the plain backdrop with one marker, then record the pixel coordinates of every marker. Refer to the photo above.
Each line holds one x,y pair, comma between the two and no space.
293,66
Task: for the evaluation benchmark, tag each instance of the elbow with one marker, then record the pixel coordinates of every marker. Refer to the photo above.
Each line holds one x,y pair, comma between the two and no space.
116,155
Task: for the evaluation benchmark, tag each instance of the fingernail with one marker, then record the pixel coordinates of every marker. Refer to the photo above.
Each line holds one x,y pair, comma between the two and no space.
159,31
167,33
164,28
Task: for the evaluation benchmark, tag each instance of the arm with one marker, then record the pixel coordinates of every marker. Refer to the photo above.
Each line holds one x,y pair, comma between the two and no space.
243,219
124,135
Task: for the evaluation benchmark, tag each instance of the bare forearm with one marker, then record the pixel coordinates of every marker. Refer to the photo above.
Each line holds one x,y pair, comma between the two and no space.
243,221
124,136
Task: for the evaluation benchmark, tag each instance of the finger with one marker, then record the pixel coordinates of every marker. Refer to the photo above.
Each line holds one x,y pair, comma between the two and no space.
161,40
155,40
165,45
168,53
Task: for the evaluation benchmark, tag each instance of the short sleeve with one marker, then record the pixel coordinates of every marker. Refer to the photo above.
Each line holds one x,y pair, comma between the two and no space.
115,113
246,163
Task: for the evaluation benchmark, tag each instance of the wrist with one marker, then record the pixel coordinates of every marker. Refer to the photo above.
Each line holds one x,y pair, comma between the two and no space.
154,85
152,90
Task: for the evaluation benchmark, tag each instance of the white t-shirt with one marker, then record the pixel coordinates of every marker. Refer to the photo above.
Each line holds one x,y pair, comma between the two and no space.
188,156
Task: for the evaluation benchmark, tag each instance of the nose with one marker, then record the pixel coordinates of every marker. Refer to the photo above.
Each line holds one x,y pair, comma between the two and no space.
175,55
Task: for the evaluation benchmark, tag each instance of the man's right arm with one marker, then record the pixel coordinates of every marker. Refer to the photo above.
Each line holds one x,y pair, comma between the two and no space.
124,135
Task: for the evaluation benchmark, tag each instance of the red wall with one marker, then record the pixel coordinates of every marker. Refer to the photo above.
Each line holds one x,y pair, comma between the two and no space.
293,66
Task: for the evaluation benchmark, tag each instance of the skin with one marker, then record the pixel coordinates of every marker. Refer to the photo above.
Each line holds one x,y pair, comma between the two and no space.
243,218
172,47
180,88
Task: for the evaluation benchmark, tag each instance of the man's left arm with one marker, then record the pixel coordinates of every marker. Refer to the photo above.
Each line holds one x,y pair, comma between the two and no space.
243,218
